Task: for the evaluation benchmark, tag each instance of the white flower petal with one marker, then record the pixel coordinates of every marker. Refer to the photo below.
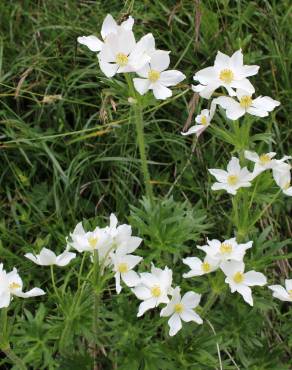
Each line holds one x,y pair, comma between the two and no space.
220,175
174,324
190,315
245,291
142,292
171,77
161,92
108,69
31,257
146,305
35,292
191,299
65,258
280,293
159,60
5,298
92,42
252,278
130,278
141,85
47,257
109,26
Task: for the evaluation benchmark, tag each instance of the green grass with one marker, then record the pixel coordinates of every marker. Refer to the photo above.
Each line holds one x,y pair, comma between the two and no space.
77,158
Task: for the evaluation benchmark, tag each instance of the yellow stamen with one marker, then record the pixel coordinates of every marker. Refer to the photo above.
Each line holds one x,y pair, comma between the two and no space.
225,248
153,75
156,291
245,101
122,59
290,293
92,241
14,286
204,120
238,277
123,267
206,267
232,180
226,75
286,186
178,308
265,158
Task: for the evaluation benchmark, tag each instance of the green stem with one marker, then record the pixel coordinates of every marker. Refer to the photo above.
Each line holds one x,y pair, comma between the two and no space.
138,116
96,294
54,283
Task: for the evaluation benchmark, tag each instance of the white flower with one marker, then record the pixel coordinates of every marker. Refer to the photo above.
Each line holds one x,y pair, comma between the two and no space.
153,289
199,267
155,76
121,54
123,265
122,236
234,178
284,294
11,285
203,120
228,72
240,281
227,250
109,26
235,109
98,239
282,177
262,162
181,309
48,258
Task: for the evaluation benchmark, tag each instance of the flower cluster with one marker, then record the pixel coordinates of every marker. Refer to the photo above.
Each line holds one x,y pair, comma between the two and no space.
228,256
118,52
236,177
229,73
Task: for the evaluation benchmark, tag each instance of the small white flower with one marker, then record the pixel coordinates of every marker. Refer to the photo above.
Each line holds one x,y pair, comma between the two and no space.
225,251
181,309
284,294
12,285
240,281
198,267
121,54
228,72
123,265
235,109
153,289
282,177
203,120
122,236
233,179
109,26
48,258
97,240
262,162
155,76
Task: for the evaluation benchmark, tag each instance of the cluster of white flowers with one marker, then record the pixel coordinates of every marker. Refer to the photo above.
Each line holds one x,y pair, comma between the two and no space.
228,256
230,73
118,52
236,177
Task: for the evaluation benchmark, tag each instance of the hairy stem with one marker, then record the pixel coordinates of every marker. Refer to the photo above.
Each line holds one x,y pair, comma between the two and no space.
138,117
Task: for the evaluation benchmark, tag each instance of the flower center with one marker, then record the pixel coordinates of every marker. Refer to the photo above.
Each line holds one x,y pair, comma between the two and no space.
92,241
225,248
245,101
122,59
232,180
290,293
123,267
204,120
155,291
265,158
178,308
238,277
14,286
206,267
153,75
286,186
226,75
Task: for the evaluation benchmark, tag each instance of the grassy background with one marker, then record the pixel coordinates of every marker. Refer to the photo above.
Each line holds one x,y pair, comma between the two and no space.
77,157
